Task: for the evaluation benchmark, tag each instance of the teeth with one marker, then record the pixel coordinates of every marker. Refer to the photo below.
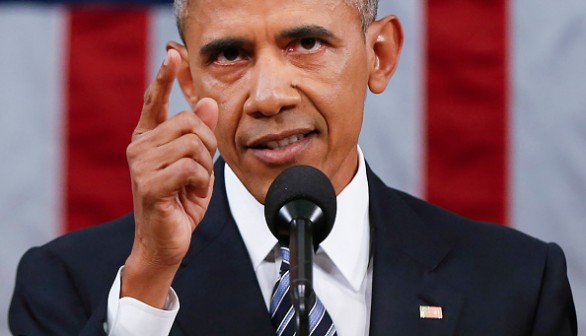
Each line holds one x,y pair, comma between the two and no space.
273,145
285,142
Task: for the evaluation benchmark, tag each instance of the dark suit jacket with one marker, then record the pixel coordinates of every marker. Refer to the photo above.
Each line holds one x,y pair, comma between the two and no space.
489,280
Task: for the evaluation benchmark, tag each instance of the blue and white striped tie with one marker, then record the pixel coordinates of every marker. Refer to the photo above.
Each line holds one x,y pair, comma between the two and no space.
282,312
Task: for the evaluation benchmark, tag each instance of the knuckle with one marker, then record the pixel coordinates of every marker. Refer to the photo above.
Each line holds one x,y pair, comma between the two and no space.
186,170
203,177
193,143
189,120
161,77
213,143
137,148
137,169
187,167
131,152
194,174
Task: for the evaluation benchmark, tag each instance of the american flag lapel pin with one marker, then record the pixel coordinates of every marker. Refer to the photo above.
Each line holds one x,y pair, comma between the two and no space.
430,312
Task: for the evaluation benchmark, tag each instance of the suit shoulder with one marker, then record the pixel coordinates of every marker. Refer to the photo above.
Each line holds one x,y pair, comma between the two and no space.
78,268
118,231
449,225
496,247
463,228
474,241
103,243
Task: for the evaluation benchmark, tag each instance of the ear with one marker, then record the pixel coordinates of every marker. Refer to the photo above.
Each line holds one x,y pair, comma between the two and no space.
184,74
385,40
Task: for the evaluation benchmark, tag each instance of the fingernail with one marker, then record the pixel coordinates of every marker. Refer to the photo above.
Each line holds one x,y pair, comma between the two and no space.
167,59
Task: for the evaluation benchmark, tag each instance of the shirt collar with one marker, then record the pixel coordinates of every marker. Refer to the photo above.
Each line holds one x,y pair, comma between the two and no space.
249,216
348,243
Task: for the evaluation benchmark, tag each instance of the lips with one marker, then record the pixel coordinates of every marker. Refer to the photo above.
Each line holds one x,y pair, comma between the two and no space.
279,141
285,142
284,148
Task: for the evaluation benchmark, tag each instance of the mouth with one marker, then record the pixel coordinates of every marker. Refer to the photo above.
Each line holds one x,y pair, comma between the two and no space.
281,144
282,148
280,141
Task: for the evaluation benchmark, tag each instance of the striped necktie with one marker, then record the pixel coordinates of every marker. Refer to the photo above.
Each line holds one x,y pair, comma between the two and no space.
282,312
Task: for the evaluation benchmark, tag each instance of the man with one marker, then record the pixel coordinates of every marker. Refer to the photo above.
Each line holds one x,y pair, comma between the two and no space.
274,84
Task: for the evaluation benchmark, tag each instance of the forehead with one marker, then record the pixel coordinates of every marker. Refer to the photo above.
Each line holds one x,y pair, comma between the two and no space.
239,16
274,5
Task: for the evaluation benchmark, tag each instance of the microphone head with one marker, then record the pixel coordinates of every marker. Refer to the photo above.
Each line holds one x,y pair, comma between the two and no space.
301,183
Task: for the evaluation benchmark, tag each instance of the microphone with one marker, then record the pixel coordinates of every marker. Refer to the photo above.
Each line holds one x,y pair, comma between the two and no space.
300,209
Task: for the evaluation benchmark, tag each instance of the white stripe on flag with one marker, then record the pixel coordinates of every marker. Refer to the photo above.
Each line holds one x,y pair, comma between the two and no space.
31,105
392,136
548,48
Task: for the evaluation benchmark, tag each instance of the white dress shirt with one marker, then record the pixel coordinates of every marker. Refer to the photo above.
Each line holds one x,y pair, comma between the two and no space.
342,273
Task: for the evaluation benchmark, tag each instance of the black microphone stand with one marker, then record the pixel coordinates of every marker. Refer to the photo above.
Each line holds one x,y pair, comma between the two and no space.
301,215
301,268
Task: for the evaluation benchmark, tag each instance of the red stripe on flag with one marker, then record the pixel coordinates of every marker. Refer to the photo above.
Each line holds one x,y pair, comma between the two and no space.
106,82
467,107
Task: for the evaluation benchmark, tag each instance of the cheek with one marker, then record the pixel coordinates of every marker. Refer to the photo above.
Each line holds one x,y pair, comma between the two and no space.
344,122
342,81
352,93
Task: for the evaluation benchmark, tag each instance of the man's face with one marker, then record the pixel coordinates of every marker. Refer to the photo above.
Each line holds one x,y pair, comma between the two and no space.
290,80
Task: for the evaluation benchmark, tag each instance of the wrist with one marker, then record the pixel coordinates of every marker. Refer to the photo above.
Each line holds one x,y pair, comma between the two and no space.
147,281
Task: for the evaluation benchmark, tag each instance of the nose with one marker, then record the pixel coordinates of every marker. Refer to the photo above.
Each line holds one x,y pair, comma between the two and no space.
272,88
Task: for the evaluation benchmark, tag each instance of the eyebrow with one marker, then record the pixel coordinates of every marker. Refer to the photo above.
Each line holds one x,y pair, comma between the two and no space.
217,46
307,31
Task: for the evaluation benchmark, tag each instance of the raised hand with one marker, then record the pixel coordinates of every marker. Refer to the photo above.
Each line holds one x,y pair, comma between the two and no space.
171,167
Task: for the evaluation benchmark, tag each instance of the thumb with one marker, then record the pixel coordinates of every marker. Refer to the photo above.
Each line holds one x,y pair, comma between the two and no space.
207,110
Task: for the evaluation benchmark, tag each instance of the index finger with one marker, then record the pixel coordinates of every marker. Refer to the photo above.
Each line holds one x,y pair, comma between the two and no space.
156,98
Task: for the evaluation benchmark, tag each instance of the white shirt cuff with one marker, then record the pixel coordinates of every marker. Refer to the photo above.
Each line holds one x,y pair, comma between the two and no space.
128,316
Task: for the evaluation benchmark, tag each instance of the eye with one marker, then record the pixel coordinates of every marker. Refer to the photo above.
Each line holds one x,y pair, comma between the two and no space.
306,45
228,56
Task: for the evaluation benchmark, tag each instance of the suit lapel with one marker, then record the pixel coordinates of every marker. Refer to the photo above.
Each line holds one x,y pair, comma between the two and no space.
217,285
407,255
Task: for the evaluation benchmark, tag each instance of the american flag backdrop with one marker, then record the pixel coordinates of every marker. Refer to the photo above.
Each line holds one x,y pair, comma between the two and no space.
485,116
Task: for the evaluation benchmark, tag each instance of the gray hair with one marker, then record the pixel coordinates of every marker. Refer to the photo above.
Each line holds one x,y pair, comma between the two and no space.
366,9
